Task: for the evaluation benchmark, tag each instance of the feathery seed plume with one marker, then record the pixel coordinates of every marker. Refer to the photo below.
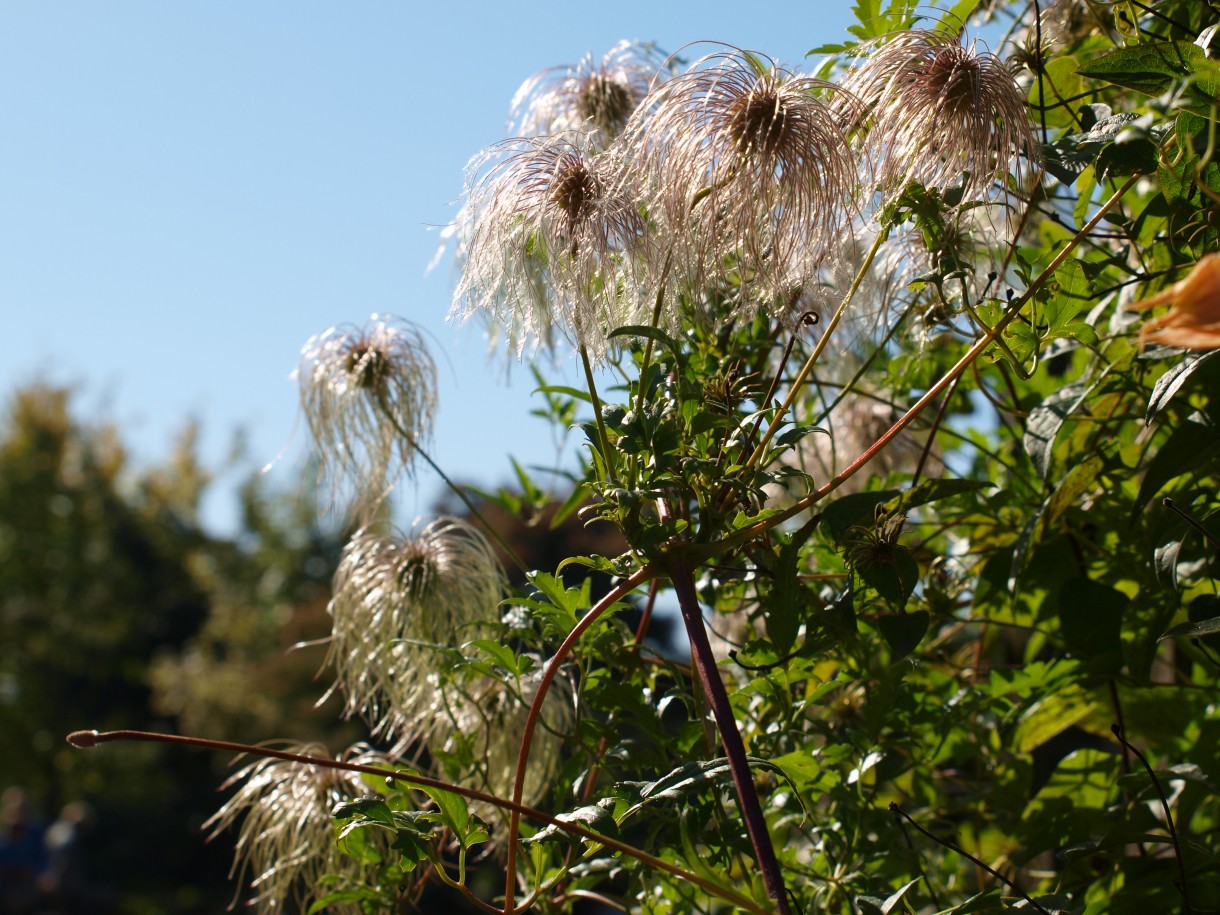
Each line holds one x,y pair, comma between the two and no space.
369,398
939,112
286,842
397,604
748,171
548,235
594,96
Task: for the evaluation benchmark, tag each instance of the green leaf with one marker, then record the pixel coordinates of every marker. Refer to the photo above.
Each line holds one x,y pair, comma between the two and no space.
1147,68
594,817
1052,714
1169,383
1188,447
787,600
895,579
904,631
564,390
455,813
371,807
339,897
843,514
1091,621
1202,628
412,846
649,333
928,491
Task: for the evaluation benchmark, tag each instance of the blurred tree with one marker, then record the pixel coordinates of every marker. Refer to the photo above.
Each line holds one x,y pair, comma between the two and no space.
118,611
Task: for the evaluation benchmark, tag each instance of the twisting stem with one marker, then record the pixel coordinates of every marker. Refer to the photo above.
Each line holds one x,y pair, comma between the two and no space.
730,738
461,494
803,374
749,533
607,458
87,739
965,854
1173,830
531,722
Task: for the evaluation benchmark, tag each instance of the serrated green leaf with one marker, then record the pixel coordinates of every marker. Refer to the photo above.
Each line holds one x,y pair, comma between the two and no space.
1202,628
1147,68
371,807
1044,422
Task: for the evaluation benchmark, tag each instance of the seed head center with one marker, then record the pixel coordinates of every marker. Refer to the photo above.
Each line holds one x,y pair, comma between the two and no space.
761,123
605,101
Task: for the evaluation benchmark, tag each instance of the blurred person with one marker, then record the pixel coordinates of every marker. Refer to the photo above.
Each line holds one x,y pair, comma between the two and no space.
65,883
22,854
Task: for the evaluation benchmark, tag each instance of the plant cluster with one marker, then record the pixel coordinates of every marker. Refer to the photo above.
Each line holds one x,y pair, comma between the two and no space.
867,407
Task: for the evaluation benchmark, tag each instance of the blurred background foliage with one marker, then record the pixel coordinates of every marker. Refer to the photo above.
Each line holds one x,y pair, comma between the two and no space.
117,610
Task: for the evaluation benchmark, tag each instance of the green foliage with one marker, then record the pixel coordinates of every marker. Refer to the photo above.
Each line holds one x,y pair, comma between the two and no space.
959,555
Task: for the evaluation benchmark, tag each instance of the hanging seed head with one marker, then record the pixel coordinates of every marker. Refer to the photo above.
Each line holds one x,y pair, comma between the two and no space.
606,102
369,398
748,172
398,604
286,842
595,97
552,231
761,123
940,112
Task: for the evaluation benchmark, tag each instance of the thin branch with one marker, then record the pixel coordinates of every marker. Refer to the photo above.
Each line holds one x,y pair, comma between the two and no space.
749,533
969,857
531,722
1173,830
87,739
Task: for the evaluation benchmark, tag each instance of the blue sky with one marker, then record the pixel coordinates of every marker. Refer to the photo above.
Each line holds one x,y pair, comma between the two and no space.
190,190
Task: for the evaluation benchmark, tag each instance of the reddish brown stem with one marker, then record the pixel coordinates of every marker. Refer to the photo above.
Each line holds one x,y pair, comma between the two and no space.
87,739
531,722
730,737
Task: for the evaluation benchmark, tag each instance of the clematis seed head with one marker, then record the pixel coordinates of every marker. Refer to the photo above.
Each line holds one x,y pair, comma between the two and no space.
369,398
939,112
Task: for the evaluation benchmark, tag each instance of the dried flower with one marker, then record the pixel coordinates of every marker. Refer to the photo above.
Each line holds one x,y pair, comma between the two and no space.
749,173
547,237
939,112
398,604
594,96
287,838
1194,320
369,397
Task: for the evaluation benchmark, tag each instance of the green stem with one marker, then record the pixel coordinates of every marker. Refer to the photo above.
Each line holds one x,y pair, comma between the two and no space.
803,374
702,551
656,322
607,457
